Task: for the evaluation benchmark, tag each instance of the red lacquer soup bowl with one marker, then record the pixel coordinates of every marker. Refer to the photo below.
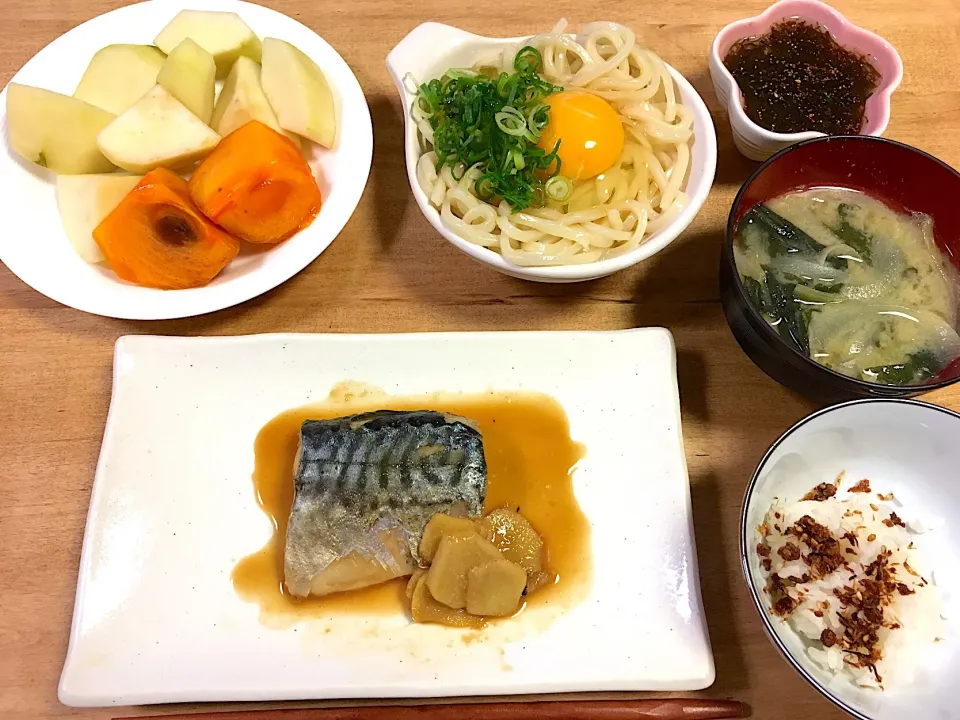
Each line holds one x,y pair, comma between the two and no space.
901,176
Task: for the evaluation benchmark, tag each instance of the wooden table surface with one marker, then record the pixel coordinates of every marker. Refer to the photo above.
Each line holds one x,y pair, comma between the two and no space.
390,272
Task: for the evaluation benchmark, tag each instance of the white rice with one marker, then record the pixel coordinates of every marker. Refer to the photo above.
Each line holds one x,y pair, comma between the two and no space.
863,514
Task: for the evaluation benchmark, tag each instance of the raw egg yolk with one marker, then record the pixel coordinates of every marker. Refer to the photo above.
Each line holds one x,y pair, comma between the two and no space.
589,131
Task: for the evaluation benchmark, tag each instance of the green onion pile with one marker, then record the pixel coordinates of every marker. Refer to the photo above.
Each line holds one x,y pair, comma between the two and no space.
494,123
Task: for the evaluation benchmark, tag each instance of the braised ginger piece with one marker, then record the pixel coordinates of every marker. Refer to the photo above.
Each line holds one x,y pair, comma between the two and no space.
513,536
447,577
156,236
441,526
412,582
495,588
476,568
425,609
257,185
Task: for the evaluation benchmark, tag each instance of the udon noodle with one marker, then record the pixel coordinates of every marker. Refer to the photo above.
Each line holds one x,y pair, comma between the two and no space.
604,216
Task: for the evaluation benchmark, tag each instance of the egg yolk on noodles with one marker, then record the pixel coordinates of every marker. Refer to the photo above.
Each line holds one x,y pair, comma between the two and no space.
589,131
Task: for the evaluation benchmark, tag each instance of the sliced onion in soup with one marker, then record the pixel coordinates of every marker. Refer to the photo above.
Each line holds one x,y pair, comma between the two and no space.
884,343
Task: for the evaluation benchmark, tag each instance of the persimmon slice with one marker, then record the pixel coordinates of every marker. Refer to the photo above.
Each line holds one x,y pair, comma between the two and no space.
157,237
256,185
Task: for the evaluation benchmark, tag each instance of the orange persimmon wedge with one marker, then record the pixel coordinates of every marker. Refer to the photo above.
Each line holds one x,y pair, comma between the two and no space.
256,185
156,236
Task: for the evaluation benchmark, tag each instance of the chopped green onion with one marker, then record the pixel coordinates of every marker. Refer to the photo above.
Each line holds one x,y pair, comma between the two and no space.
485,188
424,104
457,73
492,121
528,58
511,121
537,118
558,188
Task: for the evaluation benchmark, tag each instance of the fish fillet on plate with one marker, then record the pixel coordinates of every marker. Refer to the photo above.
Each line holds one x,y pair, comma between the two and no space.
365,487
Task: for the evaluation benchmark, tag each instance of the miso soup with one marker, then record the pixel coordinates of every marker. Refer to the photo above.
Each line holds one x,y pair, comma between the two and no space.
858,287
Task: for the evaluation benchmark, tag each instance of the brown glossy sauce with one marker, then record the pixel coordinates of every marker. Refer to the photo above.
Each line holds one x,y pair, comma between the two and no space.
796,77
530,459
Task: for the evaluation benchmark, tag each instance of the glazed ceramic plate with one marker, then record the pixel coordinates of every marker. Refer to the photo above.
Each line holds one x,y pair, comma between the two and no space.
34,245
172,511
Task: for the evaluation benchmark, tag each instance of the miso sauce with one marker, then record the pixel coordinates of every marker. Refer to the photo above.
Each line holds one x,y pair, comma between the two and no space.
530,461
796,78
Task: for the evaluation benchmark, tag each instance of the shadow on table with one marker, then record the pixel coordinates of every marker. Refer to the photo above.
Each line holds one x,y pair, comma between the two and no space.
732,167
692,380
686,271
388,175
717,579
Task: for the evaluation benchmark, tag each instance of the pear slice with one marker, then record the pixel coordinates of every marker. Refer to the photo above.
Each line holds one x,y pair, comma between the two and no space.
242,100
156,132
222,34
118,76
56,131
84,201
298,92
190,75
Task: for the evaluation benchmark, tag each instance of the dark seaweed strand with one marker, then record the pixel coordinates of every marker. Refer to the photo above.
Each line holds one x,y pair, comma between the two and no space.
755,291
796,77
852,235
792,326
775,296
784,237
916,369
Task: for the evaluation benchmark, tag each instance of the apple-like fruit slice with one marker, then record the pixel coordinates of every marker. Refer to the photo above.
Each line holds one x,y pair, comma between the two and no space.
222,34
56,131
298,92
84,201
242,100
156,132
190,75
119,75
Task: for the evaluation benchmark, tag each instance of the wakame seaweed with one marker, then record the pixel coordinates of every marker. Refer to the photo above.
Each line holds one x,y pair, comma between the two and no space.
756,293
919,367
852,235
792,326
783,237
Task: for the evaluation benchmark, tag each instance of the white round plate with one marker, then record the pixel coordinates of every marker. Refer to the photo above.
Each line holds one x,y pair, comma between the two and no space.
34,245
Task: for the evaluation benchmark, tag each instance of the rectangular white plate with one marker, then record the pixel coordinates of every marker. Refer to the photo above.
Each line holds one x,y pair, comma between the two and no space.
172,510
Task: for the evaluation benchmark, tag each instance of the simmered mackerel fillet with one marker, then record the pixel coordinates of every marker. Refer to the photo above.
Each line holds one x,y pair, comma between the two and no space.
365,487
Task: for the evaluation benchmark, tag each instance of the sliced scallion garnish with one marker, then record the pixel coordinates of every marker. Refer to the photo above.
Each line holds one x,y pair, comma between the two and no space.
558,188
493,122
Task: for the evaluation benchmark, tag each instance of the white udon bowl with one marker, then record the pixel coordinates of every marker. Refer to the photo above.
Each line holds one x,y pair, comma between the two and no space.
905,447
432,48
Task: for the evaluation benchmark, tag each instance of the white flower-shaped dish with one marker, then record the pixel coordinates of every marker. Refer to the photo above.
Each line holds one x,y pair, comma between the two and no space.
432,48
758,143
34,245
